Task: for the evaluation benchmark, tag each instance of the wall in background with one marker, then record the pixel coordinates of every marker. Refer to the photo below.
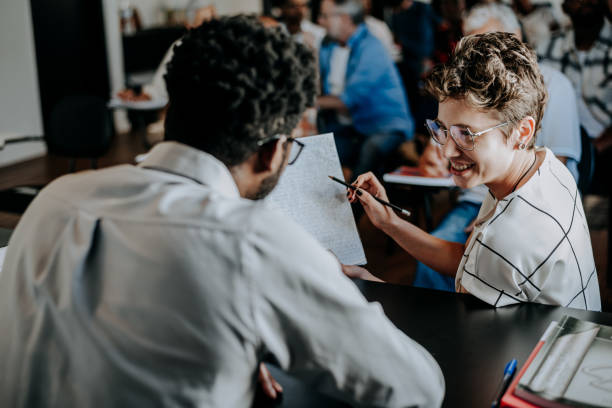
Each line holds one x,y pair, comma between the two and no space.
20,112
151,11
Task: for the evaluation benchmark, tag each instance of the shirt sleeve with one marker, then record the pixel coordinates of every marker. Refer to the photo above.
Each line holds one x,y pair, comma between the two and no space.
370,67
560,130
322,330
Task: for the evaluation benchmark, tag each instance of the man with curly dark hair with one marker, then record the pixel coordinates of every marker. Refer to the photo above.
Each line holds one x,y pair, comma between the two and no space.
167,283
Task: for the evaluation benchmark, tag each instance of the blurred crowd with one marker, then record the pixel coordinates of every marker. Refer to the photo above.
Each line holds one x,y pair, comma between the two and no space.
372,66
373,57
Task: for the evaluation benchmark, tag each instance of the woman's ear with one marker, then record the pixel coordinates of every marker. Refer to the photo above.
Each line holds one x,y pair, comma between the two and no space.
526,131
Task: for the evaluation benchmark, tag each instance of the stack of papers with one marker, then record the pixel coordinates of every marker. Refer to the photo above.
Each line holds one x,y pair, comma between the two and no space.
571,366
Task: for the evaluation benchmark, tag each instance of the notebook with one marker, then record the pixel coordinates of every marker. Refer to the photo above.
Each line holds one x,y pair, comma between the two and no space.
571,366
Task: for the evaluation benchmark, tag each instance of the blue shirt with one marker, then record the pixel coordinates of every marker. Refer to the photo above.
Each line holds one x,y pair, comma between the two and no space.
373,92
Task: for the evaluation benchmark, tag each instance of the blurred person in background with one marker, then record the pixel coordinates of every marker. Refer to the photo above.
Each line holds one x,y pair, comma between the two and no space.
413,24
369,94
295,15
381,30
584,54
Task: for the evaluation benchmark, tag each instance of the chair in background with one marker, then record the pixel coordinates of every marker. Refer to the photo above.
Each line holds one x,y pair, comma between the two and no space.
80,126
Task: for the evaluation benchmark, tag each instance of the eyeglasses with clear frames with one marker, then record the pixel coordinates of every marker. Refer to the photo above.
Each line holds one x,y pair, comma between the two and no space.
462,135
294,153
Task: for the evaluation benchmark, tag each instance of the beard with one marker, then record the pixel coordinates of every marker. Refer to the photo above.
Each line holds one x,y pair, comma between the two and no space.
267,185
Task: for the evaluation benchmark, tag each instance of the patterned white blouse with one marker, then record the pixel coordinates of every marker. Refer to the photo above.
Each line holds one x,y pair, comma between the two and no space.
533,246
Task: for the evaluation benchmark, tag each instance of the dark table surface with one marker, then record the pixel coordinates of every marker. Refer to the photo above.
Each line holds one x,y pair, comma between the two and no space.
471,341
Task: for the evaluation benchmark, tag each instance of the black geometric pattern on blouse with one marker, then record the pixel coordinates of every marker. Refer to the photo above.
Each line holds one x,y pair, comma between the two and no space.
527,278
501,291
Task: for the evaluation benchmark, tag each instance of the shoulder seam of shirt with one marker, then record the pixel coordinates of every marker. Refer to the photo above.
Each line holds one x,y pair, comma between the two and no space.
192,223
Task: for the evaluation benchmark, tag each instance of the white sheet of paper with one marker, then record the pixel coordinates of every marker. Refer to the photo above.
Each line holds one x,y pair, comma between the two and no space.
306,194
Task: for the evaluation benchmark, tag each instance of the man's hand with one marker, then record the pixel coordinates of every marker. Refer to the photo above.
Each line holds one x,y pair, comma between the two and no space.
432,163
269,385
354,271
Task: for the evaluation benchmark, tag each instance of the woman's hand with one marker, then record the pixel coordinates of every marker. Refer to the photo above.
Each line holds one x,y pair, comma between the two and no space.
357,272
367,186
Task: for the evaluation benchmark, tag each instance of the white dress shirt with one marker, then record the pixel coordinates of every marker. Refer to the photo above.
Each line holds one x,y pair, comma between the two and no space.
381,30
533,245
158,285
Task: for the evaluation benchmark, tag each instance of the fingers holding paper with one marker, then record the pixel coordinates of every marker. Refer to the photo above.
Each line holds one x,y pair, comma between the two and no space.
357,272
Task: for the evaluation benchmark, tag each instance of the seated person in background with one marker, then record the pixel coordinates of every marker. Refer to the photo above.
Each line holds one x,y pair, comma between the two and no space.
369,98
167,283
196,14
381,30
530,242
560,132
413,23
583,53
294,16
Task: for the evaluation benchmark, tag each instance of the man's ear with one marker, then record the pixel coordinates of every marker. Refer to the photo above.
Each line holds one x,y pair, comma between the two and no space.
270,156
526,130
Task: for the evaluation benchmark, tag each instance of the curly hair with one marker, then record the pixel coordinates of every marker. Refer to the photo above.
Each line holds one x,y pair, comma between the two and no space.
493,71
232,82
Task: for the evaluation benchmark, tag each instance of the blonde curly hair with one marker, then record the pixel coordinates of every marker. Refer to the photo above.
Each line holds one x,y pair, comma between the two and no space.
493,71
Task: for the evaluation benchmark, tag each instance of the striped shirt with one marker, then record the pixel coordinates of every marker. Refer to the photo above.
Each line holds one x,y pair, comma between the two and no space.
533,245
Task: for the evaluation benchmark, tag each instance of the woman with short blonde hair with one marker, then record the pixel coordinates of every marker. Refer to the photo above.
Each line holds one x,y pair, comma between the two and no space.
530,242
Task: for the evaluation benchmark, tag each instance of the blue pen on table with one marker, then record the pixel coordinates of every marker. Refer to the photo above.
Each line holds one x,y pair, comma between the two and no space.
508,375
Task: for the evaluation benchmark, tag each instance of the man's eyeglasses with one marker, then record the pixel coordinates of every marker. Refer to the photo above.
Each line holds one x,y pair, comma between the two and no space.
294,153
462,135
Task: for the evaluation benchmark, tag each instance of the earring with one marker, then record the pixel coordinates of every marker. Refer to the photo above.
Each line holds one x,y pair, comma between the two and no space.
522,146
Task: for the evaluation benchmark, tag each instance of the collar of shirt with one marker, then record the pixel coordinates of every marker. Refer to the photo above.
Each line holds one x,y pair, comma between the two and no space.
530,184
196,165
359,33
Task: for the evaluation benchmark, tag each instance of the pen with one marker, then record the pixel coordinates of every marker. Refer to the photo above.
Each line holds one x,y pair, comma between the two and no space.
508,374
383,202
